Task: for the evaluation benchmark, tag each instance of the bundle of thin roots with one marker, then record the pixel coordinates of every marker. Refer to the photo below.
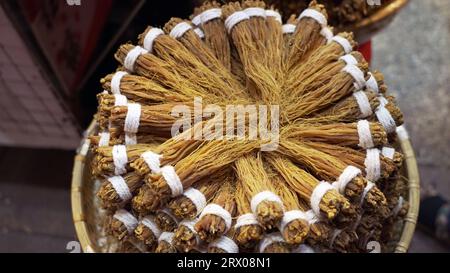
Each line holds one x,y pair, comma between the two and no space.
179,177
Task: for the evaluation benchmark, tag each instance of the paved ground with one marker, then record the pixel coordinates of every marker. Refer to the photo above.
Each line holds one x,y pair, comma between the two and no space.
414,54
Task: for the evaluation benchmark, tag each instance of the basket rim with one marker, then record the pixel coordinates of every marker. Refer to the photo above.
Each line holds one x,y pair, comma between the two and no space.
81,227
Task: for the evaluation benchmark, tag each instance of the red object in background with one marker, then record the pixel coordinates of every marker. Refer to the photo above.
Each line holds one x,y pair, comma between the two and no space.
366,50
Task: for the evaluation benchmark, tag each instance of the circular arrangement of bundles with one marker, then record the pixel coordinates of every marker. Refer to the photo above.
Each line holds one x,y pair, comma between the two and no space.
332,182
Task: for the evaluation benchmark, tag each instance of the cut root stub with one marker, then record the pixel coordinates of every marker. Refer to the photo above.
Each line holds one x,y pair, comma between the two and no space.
278,247
375,202
165,222
118,229
165,247
146,236
146,201
247,237
210,227
183,208
216,250
269,214
185,240
296,231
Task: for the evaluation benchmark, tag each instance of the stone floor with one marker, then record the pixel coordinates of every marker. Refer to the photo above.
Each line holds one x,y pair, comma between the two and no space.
414,54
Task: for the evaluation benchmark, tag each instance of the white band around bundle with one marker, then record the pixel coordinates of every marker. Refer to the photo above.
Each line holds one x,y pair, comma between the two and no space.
190,224
199,33
402,133
128,220
247,219
264,196
153,161
363,104
292,215
357,75
116,80
104,139
372,83
316,15
346,177
133,118
368,187
180,29
304,249
173,180
327,33
288,28
349,59
235,19
197,20
274,14
197,198
365,136
388,152
214,209
120,159
130,59
255,12
386,119
373,165
150,223
226,244
344,43
166,237
270,239
130,138
312,217
150,38
121,187
316,197
383,101
120,100
210,14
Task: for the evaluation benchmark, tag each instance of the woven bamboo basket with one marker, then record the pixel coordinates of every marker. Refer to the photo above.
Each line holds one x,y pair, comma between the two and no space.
88,220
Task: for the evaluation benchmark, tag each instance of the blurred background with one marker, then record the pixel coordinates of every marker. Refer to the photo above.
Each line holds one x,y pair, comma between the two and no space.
53,53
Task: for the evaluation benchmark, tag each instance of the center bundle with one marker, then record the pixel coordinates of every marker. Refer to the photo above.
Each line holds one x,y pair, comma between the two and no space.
232,132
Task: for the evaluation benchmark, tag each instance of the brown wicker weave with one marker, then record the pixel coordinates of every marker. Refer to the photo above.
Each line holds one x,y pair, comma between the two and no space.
86,212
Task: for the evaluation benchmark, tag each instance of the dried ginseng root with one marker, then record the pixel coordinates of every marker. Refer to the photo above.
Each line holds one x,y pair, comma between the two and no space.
115,160
350,79
319,228
146,201
141,90
248,232
121,225
326,167
116,191
309,34
165,243
288,30
274,243
209,17
294,226
325,201
186,238
240,24
323,64
216,218
166,221
193,200
361,104
265,204
148,232
362,134
210,157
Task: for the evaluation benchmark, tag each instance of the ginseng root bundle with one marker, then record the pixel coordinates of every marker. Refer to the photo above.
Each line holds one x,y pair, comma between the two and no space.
234,131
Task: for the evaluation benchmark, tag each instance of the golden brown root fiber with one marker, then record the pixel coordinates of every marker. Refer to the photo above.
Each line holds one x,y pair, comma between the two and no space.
165,247
251,171
111,200
210,227
342,134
